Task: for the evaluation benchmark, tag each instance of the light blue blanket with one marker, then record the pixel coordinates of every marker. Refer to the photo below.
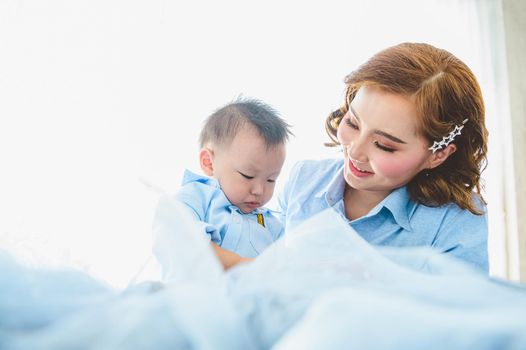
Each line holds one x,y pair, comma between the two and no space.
320,287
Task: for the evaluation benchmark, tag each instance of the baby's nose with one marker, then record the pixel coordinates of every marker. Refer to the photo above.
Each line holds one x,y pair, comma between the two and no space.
257,188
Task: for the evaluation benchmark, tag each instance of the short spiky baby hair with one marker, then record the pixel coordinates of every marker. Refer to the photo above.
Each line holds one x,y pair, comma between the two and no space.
222,126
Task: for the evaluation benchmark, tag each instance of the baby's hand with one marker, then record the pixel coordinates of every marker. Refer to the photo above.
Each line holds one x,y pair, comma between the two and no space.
245,260
228,258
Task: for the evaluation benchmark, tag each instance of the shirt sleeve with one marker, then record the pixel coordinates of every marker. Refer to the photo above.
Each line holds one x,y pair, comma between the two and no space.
464,235
196,198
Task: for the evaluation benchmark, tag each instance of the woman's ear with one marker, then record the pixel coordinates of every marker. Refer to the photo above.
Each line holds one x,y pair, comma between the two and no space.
206,161
440,157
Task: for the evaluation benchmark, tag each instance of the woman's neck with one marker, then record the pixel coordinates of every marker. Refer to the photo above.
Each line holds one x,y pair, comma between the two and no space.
358,203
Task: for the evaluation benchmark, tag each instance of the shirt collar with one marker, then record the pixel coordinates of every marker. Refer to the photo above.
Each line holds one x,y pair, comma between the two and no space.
190,176
400,205
397,202
261,210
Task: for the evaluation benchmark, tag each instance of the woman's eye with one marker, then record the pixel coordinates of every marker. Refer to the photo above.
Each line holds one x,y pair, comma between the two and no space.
246,176
351,124
383,148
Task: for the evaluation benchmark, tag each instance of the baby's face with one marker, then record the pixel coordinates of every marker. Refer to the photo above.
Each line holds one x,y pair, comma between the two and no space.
247,170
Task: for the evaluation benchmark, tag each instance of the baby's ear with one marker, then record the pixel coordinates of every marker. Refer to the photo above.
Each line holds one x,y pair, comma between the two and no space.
440,157
206,160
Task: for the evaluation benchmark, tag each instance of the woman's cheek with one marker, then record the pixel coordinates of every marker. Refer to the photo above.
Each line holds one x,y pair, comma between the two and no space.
393,166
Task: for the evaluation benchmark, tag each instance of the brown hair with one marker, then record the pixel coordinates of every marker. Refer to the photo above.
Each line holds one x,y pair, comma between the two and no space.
446,93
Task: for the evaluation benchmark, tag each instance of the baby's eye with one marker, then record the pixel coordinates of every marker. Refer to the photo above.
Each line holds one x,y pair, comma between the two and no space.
246,176
271,180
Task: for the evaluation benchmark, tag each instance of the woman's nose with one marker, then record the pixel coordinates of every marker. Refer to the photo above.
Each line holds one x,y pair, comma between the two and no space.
357,150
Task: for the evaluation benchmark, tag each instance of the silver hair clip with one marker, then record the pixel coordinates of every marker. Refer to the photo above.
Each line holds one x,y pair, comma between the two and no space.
446,140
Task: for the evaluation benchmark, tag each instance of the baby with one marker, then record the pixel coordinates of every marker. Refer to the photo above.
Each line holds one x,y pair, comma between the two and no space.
242,150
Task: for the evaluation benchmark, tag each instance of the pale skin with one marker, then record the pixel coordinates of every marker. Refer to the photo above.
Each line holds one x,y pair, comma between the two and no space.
381,148
246,170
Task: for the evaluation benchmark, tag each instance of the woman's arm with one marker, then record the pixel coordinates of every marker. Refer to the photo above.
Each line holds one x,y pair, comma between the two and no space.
465,236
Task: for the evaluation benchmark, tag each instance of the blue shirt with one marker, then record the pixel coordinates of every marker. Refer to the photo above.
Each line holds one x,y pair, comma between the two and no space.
396,221
223,222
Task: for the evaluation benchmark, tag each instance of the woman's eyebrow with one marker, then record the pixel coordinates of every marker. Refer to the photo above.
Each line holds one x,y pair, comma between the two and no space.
379,132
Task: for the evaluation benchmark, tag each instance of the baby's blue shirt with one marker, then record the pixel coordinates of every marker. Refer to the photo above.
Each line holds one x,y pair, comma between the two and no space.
222,222
396,221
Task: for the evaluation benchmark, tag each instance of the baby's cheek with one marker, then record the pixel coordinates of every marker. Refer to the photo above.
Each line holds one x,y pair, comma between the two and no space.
269,192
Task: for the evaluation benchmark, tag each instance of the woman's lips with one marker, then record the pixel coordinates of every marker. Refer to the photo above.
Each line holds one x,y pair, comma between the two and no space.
357,172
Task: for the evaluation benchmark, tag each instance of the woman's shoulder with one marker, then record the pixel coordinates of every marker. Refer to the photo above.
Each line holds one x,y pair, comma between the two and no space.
458,231
449,210
453,210
449,215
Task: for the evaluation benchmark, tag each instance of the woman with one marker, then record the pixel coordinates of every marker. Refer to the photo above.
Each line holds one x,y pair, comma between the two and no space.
414,143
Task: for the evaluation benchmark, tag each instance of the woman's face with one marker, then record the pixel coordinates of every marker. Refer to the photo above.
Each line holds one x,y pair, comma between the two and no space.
381,148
